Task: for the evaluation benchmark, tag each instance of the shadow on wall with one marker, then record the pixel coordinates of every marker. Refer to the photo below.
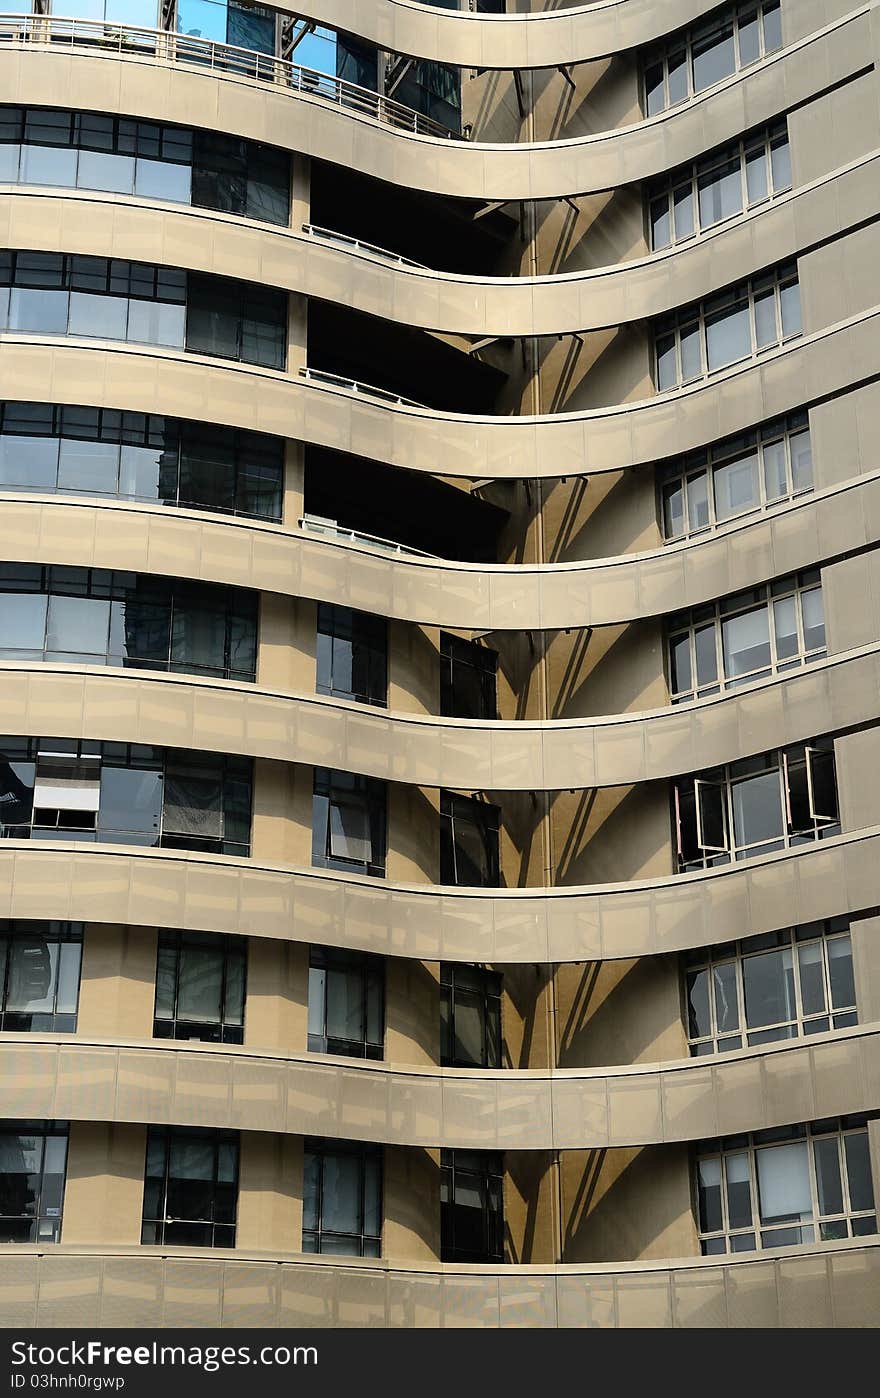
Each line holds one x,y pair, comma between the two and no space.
609,515
622,1013
597,230
623,673
613,833
606,97
525,988
629,1204
491,107
596,370
528,1223
520,850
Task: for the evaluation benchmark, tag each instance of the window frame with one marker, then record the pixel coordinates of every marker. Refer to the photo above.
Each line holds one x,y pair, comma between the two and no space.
50,1215
486,1170
678,475
166,1137
766,140
697,320
331,788
320,1149
361,631
684,626
91,759
490,1008
726,779
481,664
61,933
734,956
177,1026
681,43
175,441
371,970
457,809
761,1234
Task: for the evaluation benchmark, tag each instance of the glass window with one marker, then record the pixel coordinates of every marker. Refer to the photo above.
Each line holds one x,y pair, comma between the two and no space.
710,51
346,1003
349,822
752,472
468,678
470,1016
800,1184
765,630
471,1206
720,192
714,56
352,655
39,976
33,1169
735,324
728,337
190,1187
200,987
469,854
756,805
342,1198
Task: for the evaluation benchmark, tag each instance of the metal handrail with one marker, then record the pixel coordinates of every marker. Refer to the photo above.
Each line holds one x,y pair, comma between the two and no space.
109,38
315,525
315,231
357,386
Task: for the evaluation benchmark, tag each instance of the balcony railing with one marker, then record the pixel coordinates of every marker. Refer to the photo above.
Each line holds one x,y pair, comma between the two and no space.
356,386
109,39
359,245
316,524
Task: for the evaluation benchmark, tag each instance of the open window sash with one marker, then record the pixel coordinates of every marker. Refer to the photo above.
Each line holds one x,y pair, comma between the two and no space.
711,816
810,788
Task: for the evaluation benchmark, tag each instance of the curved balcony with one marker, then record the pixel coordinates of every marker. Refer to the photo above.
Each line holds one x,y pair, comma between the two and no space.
108,374
170,1083
540,40
813,529
643,917
113,225
141,706
186,1287
261,111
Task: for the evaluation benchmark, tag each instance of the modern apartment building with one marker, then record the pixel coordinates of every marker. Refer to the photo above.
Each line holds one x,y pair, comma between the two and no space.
440,663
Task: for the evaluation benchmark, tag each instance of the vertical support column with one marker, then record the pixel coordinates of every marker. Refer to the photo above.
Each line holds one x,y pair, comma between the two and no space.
103,1195
118,986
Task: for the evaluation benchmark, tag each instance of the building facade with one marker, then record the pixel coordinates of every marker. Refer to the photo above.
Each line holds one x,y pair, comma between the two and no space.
439,663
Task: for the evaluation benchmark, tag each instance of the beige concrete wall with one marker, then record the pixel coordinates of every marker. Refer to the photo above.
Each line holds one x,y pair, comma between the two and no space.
411,1204
842,431
628,1204
528,1013
276,1009
841,278
601,516
617,1012
851,596
531,1214
117,994
612,834
612,669
413,668
282,819
286,654
865,935
833,129
104,1195
857,756
412,1011
413,834
270,1197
